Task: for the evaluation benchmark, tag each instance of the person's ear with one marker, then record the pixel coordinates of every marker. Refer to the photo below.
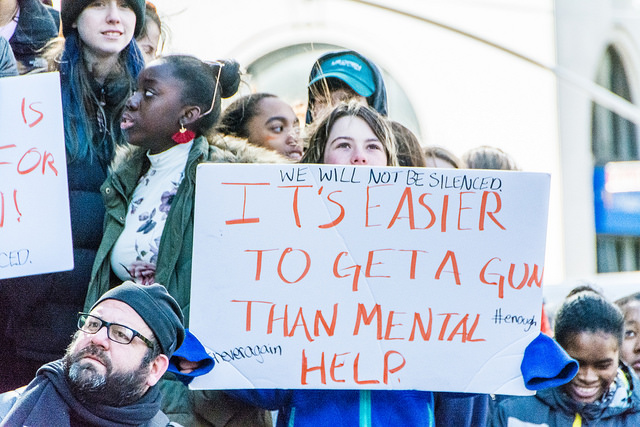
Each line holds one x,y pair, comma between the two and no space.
190,114
157,368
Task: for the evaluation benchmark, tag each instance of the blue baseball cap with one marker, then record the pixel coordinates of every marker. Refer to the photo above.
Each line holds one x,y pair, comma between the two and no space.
351,70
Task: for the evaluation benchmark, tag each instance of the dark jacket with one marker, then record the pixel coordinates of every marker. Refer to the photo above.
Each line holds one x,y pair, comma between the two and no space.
461,409
7,60
378,101
37,25
553,408
345,407
38,314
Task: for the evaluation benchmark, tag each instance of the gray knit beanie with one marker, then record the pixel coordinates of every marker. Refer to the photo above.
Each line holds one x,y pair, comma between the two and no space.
157,308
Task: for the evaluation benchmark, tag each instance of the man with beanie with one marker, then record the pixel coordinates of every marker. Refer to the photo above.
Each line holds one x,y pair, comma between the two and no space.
109,373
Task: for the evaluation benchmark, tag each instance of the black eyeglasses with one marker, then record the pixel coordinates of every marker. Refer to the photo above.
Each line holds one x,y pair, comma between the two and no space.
115,331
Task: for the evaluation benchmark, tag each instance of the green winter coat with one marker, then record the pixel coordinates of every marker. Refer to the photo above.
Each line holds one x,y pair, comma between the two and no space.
173,267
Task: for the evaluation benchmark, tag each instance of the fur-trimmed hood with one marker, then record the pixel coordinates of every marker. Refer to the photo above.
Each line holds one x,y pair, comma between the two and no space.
222,149
173,267
230,149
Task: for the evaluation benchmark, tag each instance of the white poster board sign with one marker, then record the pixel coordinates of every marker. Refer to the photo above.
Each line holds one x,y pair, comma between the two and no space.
340,277
35,226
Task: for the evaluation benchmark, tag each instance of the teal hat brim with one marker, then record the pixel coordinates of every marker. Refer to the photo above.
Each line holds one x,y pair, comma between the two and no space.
357,85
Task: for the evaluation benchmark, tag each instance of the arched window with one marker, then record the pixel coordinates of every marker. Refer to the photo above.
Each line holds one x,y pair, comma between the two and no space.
614,139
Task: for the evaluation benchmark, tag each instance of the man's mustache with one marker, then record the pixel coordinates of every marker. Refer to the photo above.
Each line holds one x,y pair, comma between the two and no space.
96,352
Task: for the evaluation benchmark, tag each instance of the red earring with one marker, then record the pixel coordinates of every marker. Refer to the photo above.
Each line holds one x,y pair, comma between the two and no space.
183,136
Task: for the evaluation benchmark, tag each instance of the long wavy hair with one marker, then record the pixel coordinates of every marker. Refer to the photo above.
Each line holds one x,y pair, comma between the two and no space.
90,129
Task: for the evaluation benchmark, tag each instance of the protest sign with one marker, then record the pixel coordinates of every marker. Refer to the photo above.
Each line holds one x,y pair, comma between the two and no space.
341,277
35,227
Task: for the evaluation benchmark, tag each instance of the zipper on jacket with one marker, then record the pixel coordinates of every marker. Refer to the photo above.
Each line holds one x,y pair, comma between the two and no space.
432,415
365,408
292,417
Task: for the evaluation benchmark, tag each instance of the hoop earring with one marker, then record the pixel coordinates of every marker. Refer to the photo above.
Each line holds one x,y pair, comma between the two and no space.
183,136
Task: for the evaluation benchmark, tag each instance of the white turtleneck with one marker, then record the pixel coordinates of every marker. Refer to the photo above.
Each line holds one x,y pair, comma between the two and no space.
135,253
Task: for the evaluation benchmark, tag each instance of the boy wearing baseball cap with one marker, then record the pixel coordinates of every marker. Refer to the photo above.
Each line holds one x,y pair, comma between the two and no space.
343,76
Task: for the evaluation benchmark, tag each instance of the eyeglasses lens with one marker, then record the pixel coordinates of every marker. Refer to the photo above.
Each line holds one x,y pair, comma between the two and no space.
118,333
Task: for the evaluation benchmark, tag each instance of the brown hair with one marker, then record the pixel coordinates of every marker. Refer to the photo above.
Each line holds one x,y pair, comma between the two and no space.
380,126
151,15
409,148
436,152
487,157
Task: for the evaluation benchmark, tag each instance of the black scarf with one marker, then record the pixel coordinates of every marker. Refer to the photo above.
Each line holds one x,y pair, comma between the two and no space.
47,400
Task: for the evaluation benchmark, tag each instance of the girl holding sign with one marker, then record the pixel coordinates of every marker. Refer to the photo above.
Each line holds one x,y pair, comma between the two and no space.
604,392
352,134
98,64
150,194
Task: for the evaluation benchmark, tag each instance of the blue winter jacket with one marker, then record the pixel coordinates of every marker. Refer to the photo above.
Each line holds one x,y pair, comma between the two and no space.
345,407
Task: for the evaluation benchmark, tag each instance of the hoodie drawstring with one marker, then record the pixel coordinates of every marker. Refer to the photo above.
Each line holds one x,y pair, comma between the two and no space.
577,422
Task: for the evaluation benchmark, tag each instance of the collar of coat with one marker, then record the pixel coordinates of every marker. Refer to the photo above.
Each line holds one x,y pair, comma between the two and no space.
217,149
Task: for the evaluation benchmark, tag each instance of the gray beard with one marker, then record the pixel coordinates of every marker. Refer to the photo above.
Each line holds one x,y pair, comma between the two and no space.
111,388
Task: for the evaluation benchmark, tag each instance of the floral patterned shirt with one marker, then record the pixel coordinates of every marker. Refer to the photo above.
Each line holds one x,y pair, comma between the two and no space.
135,253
